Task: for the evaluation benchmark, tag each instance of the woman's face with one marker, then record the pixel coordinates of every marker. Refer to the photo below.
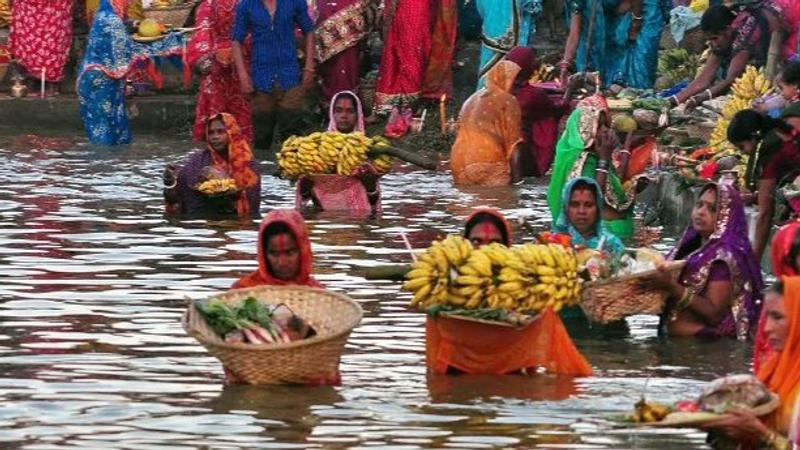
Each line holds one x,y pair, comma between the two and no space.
704,213
283,256
345,114
776,326
485,233
747,147
218,136
721,42
582,210
788,91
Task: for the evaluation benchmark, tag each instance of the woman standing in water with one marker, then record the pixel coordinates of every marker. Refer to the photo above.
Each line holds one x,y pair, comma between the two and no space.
718,291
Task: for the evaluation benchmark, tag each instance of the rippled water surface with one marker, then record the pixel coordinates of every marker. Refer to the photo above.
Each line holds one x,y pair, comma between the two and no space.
93,281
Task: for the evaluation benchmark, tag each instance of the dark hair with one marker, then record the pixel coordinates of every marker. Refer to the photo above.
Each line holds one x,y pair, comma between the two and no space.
483,217
791,73
777,287
583,184
717,19
750,124
347,95
791,258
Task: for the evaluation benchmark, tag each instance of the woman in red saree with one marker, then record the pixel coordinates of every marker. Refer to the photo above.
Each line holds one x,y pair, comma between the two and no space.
41,36
406,48
438,79
540,113
209,52
340,33
284,252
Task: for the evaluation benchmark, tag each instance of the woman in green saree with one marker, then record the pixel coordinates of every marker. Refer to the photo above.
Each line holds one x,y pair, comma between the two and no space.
584,150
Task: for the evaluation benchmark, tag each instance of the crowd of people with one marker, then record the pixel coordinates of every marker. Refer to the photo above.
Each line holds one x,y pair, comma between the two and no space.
253,87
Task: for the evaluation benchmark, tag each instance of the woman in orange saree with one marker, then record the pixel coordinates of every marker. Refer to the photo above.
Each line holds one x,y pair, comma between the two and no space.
489,132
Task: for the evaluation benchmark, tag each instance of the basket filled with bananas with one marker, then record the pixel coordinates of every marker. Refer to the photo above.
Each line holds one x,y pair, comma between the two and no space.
218,187
174,12
332,153
615,290
524,279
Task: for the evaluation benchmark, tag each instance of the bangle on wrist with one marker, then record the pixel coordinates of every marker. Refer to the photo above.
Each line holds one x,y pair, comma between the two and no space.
602,164
171,186
625,151
599,169
686,299
635,17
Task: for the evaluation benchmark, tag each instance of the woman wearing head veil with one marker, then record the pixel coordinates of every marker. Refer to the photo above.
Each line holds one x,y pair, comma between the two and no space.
110,56
581,217
584,149
718,292
360,193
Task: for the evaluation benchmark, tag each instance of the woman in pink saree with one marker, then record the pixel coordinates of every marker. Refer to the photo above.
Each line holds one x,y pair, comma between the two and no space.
359,193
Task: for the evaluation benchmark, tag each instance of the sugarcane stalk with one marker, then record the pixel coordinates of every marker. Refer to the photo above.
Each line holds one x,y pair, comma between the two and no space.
405,155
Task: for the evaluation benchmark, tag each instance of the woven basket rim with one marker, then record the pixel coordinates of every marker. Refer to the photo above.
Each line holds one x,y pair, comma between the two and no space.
277,346
671,265
186,5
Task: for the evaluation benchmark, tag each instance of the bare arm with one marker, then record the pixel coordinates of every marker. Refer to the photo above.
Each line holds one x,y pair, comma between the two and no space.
715,305
245,82
703,80
765,210
572,45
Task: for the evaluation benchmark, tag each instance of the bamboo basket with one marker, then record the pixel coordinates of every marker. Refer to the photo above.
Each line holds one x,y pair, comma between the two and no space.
171,15
332,315
610,300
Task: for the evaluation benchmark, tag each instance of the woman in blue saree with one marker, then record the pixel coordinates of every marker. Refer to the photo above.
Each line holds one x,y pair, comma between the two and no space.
625,36
110,56
506,24
581,216
634,49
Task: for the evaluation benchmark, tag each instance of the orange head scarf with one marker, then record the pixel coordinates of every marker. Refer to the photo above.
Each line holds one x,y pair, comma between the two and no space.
782,266
781,371
480,215
238,163
297,226
502,76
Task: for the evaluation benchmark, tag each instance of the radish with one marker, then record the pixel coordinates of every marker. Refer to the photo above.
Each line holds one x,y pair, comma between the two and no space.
262,334
251,337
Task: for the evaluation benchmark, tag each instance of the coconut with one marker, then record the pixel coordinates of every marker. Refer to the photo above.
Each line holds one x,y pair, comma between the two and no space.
624,123
149,28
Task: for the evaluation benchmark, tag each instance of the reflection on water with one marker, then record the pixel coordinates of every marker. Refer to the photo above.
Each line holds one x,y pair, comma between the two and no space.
93,281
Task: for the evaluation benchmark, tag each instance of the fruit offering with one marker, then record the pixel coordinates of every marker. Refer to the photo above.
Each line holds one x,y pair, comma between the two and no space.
330,153
648,412
527,278
217,186
150,28
751,85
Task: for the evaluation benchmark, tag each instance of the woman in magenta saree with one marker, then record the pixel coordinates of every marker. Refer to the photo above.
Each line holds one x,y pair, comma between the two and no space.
341,29
720,254
209,52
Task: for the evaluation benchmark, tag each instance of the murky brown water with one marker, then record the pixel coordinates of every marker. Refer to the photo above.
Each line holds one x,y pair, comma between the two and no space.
92,354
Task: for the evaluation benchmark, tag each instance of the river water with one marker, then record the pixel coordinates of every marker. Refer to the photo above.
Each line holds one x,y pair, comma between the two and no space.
92,354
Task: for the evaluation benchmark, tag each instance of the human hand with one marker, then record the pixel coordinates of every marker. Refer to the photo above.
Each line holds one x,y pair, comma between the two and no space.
604,145
246,85
691,104
563,75
661,280
740,425
170,176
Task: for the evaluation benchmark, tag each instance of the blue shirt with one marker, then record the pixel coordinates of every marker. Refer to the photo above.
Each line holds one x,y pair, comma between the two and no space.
274,56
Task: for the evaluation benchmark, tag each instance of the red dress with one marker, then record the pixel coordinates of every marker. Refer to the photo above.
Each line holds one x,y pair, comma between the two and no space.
405,53
219,89
41,36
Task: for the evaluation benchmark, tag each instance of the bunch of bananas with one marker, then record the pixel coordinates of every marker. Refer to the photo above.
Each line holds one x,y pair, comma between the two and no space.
217,186
543,74
430,278
678,64
645,412
527,278
751,85
5,14
330,152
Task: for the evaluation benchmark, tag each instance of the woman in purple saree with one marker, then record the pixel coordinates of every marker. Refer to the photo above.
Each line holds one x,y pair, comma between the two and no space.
718,291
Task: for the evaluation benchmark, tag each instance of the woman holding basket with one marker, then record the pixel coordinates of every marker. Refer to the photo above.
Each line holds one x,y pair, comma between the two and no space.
718,291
